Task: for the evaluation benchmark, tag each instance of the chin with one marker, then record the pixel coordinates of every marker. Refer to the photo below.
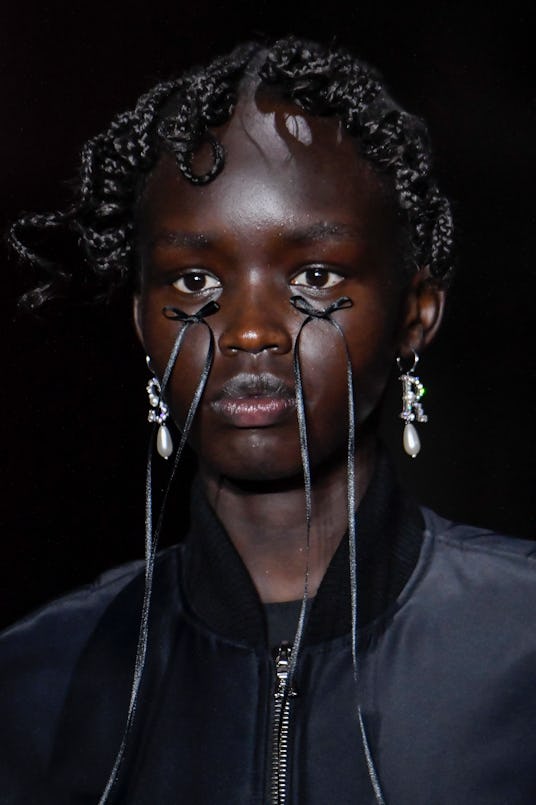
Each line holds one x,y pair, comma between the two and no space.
256,467
261,473
265,485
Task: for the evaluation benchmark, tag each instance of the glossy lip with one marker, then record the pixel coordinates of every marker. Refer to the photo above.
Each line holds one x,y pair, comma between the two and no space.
254,400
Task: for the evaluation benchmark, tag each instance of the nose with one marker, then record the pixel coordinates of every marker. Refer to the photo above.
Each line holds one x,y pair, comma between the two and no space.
256,322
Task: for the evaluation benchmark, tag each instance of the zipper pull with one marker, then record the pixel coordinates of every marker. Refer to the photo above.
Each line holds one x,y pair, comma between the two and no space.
282,663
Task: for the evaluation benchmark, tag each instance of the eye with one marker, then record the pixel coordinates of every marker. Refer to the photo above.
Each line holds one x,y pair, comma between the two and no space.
197,281
317,278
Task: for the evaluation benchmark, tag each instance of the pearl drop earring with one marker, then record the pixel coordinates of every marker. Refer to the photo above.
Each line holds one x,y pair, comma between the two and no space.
412,411
159,413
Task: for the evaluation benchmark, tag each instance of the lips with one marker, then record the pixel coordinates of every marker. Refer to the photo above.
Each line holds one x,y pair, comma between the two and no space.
254,400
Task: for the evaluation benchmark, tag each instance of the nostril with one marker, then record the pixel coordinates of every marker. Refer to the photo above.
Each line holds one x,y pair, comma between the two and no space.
255,340
251,347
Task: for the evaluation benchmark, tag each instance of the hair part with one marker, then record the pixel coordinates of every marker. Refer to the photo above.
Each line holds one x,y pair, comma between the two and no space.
179,116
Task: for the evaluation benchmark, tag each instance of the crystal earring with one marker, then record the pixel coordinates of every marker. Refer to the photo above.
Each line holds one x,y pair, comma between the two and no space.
159,412
412,411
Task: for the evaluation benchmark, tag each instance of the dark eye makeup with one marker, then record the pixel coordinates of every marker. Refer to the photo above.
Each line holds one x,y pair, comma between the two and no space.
197,281
315,278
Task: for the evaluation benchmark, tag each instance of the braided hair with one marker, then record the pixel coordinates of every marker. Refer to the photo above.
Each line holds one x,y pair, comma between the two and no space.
178,116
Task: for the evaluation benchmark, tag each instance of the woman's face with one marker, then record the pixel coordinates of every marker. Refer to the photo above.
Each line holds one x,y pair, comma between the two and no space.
295,211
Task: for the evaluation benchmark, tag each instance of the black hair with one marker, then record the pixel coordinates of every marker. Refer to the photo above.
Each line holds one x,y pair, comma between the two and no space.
178,116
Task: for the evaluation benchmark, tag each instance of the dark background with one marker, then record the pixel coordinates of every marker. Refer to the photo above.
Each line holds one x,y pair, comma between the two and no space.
73,380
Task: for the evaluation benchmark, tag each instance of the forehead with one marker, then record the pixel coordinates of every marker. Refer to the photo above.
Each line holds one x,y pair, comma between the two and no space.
283,167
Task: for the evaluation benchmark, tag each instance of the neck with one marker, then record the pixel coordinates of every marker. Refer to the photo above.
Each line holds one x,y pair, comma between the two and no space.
267,524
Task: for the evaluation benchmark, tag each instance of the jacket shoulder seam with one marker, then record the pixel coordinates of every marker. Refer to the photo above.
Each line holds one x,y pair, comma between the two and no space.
468,544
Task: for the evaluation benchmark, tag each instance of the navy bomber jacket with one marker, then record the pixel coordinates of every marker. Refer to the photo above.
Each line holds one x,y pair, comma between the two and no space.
447,676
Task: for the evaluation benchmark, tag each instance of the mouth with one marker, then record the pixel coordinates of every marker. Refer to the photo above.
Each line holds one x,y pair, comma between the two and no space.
254,400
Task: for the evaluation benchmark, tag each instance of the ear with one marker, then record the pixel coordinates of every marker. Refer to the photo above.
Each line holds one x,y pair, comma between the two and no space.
136,313
423,312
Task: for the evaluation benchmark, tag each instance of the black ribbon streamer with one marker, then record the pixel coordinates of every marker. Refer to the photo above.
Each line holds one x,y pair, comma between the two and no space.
311,313
152,536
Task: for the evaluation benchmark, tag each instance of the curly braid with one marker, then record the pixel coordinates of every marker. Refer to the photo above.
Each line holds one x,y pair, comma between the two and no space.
177,115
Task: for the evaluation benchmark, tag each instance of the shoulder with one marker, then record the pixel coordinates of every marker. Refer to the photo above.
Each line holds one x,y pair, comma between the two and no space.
59,629
457,537
40,654
80,610
478,573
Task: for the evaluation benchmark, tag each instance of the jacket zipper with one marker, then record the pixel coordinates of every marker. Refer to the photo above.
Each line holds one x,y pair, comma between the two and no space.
281,723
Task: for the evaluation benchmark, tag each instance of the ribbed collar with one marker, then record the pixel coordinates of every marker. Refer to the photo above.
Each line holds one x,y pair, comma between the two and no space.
389,537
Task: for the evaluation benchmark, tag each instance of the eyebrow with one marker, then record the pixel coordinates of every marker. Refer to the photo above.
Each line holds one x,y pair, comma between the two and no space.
184,240
323,230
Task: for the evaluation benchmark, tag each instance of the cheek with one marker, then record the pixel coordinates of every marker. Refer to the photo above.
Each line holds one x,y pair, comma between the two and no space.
189,369
324,368
323,364
159,336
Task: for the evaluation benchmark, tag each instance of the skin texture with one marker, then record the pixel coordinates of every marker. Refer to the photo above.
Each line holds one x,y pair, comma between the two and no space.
295,211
